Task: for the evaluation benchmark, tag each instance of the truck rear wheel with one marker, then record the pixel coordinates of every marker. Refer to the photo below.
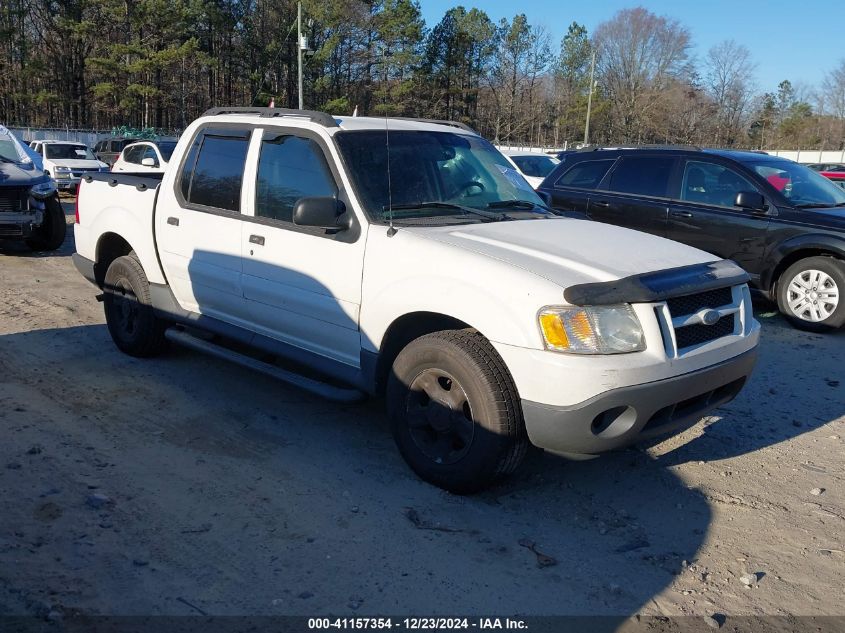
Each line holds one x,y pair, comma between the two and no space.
132,323
455,411
811,293
51,234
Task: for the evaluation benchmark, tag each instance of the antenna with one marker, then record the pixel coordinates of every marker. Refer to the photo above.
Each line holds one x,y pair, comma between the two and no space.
391,231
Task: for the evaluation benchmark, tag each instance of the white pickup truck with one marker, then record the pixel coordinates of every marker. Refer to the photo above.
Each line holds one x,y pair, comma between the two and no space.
407,258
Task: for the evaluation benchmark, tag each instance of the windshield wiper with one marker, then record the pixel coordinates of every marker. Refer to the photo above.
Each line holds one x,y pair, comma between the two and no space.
526,205
436,204
815,205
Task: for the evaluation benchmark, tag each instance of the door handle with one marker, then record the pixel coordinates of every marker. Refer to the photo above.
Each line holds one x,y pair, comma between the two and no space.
256,239
601,203
173,221
681,214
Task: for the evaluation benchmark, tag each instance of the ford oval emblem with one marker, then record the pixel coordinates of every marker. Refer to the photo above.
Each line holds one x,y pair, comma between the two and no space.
710,317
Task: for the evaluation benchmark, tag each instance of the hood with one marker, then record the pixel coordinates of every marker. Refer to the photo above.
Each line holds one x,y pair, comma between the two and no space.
534,181
568,251
19,174
88,163
826,218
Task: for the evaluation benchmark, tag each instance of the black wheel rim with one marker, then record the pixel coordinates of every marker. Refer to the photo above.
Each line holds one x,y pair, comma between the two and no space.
439,417
125,306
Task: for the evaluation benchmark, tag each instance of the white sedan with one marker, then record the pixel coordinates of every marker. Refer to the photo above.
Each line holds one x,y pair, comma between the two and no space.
534,166
145,157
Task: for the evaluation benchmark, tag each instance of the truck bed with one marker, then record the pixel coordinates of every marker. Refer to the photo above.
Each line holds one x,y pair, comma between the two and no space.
120,205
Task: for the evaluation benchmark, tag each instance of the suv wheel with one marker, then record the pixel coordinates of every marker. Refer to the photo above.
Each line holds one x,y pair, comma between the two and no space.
455,411
810,293
132,323
51,234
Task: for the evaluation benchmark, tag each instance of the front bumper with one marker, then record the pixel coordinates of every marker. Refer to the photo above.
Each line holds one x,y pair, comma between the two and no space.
19,225
67,182
622,416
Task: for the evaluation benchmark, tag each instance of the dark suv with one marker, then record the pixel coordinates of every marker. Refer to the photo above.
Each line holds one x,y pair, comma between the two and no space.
782,222
109,149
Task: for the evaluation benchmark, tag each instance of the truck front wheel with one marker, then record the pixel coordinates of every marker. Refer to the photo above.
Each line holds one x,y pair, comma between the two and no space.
51,234
132,323
455,411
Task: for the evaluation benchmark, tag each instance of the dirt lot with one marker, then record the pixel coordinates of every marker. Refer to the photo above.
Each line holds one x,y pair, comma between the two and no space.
185,485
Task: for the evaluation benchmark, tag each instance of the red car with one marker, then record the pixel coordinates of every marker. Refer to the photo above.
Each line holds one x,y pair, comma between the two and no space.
832,171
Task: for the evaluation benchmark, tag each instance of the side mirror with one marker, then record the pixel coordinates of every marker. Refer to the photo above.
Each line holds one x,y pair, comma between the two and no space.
546,197
323,212
750,200
149,162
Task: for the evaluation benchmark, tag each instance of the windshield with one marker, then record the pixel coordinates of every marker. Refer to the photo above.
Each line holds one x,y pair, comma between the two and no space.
58,151
8,150
441,171
802,186
538,166
166,149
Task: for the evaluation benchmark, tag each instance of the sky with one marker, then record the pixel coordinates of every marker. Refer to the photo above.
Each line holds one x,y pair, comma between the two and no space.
788,39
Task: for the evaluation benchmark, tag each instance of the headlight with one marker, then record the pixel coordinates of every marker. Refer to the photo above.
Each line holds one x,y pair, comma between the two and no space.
592,330
43,189
62,169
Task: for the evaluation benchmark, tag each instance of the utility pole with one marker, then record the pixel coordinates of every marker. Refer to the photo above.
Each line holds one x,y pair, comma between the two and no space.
299,49
590,100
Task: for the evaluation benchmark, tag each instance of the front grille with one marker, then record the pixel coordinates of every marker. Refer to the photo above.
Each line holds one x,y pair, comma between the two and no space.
690,304
10,230
14,199
81,171
698,334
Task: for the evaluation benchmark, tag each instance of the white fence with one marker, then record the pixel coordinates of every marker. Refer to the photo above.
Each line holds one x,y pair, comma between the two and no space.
88,137
810,155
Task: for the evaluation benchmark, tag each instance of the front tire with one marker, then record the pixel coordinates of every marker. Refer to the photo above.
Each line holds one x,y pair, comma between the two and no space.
455,411
132,323
51,234
810,293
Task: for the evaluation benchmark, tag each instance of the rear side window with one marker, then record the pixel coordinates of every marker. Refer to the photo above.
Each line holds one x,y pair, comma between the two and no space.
585,175
213,171
290,168
642,175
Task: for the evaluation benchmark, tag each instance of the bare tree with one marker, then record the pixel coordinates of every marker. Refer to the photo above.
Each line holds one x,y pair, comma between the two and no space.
639,53
834,89
730,72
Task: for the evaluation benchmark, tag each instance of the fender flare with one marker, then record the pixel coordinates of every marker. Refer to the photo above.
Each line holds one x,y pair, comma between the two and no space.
814,243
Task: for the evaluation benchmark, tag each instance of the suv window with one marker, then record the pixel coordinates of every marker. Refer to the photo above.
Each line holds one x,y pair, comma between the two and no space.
710,183
289,168
642,175
213,171
586,174
132,155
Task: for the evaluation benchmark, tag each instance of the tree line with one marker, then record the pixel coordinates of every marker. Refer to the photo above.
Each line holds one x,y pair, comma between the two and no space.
161,63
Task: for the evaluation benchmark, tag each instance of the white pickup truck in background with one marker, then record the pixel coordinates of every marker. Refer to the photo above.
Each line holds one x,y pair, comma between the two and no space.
409,259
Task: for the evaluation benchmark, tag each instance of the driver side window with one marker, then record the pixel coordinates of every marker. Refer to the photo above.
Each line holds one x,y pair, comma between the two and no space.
290,168
711,183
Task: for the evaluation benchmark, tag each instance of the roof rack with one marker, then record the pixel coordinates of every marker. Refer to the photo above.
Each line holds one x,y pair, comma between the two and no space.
321,118
595,148
457,124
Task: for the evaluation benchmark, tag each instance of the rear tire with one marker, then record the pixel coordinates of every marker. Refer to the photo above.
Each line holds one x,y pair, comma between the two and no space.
811,294
455,411
51,234
132,323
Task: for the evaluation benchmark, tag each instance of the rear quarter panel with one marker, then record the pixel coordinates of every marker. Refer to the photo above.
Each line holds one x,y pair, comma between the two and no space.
123,210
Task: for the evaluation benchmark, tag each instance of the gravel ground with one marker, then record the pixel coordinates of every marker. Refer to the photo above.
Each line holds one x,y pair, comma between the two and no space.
186,485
